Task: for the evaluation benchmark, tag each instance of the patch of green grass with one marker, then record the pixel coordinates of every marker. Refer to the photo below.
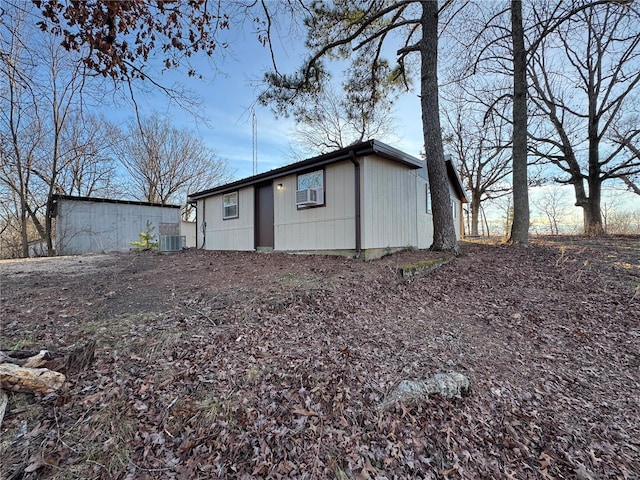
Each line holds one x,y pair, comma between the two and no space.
209,408
299,280
164,345
22,343
119,428
117,331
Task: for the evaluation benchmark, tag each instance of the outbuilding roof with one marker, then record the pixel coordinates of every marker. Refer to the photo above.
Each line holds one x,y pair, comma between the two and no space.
111,200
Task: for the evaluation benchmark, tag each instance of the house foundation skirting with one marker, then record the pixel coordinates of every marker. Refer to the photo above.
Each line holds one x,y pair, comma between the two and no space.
365,254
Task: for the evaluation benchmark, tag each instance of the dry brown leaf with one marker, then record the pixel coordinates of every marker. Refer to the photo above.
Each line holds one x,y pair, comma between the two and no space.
545,460
307,413
35,462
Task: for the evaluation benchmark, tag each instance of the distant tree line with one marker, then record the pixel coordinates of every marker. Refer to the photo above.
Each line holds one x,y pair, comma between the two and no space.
503,85
51,142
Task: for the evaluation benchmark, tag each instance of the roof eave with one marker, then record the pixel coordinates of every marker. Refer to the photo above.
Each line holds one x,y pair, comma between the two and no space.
457,182
361,149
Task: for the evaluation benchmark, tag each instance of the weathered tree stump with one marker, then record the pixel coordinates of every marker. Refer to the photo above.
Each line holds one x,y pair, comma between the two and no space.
81,357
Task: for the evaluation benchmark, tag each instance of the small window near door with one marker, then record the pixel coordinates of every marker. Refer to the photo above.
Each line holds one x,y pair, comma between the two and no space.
230,205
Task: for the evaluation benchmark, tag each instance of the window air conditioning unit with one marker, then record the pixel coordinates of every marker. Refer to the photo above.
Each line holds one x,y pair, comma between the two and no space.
310,196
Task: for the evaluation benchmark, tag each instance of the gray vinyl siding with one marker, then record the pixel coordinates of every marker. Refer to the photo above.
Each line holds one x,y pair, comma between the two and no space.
424,219
328,227
392,202
231,234
457,211
389,209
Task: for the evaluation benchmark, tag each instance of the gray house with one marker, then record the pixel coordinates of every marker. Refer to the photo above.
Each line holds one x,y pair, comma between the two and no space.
367,199
95,225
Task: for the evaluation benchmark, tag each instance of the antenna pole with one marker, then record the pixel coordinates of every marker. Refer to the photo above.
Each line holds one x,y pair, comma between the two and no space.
254,135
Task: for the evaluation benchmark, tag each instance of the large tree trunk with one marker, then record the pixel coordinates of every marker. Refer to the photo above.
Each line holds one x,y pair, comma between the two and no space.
520,226
444,233
475,213
24,236
591,210
49,225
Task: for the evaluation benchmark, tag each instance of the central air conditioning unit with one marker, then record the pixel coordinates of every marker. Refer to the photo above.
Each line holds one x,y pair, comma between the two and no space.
172,243
309,196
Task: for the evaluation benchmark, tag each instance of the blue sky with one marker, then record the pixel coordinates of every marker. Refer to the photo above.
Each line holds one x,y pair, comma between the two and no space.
228,95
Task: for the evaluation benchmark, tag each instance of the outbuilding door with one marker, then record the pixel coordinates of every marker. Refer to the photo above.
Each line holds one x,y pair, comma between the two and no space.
264,216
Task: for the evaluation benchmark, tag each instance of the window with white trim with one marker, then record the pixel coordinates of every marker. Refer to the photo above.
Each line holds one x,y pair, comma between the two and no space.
230,205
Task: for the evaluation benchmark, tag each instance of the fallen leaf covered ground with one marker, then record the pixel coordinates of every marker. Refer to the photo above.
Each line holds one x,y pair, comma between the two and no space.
245,365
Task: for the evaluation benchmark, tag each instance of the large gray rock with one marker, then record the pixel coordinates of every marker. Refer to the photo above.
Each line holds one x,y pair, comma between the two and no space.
411,392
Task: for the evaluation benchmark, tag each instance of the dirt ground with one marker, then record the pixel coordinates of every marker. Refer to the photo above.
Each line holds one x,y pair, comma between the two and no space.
245,365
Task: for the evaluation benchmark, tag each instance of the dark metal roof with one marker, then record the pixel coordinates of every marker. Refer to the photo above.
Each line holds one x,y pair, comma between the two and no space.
457,183
361,149
111,200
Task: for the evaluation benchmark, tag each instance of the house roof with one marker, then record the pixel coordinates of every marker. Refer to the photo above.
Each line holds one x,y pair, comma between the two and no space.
365,148
111,200
457,185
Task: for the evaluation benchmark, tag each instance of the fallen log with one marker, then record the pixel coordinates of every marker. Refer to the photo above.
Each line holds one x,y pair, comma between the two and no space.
22,379
69,360
28,358
4,399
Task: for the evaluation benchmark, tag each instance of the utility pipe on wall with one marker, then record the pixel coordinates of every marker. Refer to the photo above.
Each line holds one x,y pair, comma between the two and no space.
356,175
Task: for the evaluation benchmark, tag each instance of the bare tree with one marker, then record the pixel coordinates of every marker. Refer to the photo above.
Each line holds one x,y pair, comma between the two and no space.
90,169
21,133
627,134
553,203
492,43
165,163
42,101
583,78
480,140
610,207
632,183
333,122
498,48
624,222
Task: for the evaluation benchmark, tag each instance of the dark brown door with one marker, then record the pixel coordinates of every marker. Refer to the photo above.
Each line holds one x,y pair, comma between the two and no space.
264,216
